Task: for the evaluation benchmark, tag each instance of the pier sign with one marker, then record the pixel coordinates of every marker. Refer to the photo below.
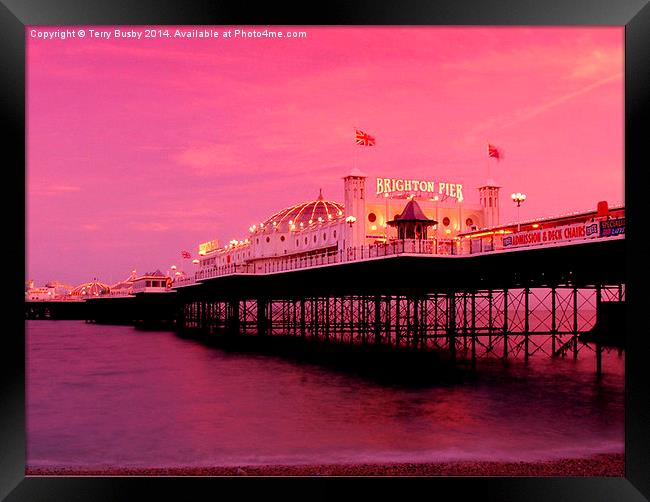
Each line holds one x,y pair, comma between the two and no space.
548,235
610,228
208,247
392,185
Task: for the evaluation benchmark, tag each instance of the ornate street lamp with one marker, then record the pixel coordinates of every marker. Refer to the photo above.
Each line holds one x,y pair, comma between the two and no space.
518,198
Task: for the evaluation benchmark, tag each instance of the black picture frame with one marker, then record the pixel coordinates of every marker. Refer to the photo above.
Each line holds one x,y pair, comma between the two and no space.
633,14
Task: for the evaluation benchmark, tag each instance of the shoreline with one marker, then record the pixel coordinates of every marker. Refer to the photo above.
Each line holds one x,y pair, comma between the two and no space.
601,465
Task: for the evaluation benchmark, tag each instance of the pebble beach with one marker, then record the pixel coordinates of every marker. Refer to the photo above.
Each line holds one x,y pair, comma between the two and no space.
604,465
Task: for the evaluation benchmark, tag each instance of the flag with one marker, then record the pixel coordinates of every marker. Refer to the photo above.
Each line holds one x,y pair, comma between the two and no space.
493,152
363,138
186,254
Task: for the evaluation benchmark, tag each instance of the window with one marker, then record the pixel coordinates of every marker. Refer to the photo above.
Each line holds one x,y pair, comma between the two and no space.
148,284
268,239
372,217
469,222
334,234
297,242
305,240
446,221
314,238
324,237
282,238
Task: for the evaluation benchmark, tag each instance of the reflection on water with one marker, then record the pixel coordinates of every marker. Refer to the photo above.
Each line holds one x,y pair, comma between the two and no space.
113,396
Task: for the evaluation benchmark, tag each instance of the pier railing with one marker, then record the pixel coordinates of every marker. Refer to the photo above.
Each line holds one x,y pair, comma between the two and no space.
438,247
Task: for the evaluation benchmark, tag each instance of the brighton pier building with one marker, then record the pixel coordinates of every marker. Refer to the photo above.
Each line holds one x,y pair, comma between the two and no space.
376,216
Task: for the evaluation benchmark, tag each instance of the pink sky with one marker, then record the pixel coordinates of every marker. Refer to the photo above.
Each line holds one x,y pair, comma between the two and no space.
138,149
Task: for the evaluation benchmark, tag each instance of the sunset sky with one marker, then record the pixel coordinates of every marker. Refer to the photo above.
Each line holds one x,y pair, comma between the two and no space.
139,149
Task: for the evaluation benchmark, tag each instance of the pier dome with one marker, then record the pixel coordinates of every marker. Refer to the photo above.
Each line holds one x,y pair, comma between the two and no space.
93,288
305,213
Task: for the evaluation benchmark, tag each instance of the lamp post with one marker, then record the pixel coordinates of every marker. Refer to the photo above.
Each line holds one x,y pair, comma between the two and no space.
518,198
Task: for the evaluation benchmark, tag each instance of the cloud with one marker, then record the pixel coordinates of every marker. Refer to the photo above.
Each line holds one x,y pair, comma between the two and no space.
53,189
151,227
210,158
519,116
598,64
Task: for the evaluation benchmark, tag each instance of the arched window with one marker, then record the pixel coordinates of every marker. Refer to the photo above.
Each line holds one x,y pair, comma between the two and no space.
446,221
372,217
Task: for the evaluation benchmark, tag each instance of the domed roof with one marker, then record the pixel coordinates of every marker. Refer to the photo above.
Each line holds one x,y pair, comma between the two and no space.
93,288
302,215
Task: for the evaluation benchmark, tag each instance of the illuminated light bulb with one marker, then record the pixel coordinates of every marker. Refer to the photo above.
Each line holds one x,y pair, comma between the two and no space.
310,222
374,227
320,220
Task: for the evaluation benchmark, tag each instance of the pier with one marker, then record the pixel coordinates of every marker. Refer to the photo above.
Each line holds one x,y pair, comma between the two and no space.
505,304
555,300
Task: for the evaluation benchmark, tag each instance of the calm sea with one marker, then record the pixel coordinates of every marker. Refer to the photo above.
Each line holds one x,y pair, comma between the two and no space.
112,396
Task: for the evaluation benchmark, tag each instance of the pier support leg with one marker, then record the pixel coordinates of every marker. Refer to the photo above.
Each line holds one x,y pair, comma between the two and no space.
473,334
233,317
553,321
526,322
377,320
262,319
451,323
505,324
575,323
599,348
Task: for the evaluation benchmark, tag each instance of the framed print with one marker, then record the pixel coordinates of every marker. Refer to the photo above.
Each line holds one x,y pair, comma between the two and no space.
366,242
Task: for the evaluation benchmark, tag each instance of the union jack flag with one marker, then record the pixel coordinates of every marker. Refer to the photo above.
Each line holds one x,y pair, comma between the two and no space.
363,138
493,152
186,254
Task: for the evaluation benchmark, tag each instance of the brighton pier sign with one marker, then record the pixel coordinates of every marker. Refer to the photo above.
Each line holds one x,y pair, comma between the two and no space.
393,185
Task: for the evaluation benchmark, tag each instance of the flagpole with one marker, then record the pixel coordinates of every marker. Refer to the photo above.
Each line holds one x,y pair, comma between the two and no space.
354,145
488,160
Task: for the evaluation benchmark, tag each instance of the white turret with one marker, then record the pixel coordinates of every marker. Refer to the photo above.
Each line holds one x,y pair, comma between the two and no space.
354,188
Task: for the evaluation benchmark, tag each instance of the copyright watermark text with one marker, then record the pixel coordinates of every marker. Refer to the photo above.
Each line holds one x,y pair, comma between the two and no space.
139,33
